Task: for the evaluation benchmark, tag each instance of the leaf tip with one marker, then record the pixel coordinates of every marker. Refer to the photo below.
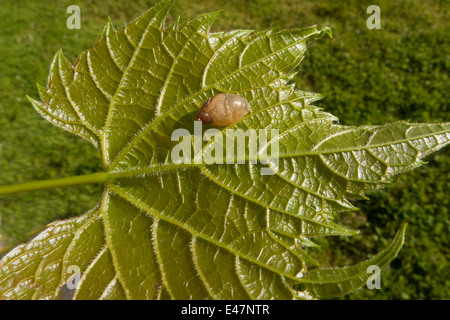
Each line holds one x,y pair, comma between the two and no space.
211,17
327,31
41,89
30,98
399,238
404,226
61,57
35,103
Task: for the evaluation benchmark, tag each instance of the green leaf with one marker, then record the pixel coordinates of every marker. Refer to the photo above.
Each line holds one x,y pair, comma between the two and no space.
326,283
164,230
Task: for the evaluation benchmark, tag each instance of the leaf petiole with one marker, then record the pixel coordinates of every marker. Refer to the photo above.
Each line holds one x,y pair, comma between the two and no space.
54,183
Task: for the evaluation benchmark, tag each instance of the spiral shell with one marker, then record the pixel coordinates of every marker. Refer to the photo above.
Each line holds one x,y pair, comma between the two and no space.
223,110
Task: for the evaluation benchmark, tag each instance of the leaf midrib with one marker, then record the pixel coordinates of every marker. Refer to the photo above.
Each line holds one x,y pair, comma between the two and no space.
171,166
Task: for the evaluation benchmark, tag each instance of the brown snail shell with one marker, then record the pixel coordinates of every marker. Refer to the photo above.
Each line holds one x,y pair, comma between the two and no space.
223,110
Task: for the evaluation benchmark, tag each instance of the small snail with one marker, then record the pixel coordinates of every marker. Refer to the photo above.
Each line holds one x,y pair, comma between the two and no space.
223,109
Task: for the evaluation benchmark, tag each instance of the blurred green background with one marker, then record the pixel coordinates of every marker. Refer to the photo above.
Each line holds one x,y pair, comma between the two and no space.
370,76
